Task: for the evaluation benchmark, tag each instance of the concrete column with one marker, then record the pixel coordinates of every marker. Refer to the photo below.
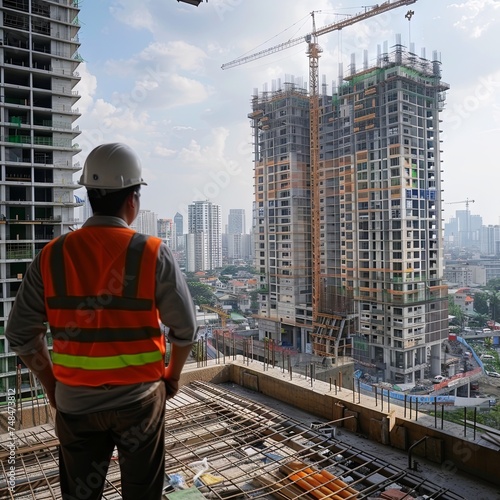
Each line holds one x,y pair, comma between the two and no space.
303,339
294,337
435,360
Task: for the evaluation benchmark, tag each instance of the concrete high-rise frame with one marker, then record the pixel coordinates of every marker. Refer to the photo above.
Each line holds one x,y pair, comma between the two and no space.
38,62
380,218
281,219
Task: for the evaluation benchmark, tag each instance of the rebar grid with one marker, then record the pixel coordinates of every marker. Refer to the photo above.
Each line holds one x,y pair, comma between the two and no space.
234,448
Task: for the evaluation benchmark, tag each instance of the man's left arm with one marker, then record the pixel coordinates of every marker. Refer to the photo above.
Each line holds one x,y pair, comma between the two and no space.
174,301
176,310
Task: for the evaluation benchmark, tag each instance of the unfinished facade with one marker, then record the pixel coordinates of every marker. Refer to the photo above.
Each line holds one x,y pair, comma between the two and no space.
282,225
379,218
38,60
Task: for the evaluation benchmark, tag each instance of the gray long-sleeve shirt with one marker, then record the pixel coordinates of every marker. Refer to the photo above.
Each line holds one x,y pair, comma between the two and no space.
26,327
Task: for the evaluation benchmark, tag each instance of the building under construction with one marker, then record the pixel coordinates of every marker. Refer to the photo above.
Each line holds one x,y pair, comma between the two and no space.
39,58
377,263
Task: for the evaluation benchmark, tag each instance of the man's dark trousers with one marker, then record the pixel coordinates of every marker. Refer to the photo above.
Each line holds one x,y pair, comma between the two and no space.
87,443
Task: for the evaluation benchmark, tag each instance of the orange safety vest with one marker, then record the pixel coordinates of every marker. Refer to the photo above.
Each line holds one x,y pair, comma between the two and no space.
99,286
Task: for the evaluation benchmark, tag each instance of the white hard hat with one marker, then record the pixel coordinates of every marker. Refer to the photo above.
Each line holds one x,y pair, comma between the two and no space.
110,167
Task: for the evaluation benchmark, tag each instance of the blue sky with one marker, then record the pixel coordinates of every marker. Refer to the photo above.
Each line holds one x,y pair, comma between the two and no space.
152,78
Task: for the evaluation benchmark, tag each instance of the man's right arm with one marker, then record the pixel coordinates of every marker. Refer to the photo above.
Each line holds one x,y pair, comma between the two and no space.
40,364
27,327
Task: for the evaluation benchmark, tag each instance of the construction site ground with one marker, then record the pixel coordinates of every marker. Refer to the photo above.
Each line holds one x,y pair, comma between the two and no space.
470,488
225,441
490,386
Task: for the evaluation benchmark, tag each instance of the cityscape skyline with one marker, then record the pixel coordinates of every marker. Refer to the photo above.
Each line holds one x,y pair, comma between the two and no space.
347,242
226,212
159,87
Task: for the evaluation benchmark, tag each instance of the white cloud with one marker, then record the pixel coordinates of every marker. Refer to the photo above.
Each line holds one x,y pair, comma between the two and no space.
158,60
163,152
214,152
161,76
470,101
86,87
182,128
180,55
132,14
477,16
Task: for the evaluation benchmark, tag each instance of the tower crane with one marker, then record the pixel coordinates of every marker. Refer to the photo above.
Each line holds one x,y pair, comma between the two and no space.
467,201
313,53
467,219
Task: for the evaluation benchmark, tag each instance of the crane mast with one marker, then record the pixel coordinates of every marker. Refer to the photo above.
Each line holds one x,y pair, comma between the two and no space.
323,323
313,52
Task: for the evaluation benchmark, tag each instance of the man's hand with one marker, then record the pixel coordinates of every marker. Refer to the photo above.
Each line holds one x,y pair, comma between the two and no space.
172,374
171,385
51,396
40,364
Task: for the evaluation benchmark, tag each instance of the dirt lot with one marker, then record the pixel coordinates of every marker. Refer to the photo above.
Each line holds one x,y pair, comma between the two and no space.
490,385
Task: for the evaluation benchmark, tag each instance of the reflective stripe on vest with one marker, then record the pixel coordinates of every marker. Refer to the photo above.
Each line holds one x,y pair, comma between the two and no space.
106,362
102,315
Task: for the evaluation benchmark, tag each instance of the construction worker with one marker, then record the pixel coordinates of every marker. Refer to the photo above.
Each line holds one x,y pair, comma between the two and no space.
102,290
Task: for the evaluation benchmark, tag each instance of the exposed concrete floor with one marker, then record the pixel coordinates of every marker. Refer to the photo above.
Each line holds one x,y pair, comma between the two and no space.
189,414
469,487
224,423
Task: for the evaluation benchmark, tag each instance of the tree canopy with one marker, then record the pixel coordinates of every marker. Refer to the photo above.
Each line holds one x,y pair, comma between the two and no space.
488,302
232,270
493,284
201,293
481,302
456,311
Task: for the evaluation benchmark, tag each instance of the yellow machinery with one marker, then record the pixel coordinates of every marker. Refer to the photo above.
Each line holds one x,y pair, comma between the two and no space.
223,315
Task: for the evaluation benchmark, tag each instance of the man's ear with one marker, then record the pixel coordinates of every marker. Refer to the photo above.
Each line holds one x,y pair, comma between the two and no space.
131,200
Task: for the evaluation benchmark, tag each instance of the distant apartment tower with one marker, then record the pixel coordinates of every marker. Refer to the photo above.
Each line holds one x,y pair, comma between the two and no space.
237,240
179,224
379,217
490,240
463,230
236,221
166,231
39,58
146,223
179,232
204,238
86,210
239,247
